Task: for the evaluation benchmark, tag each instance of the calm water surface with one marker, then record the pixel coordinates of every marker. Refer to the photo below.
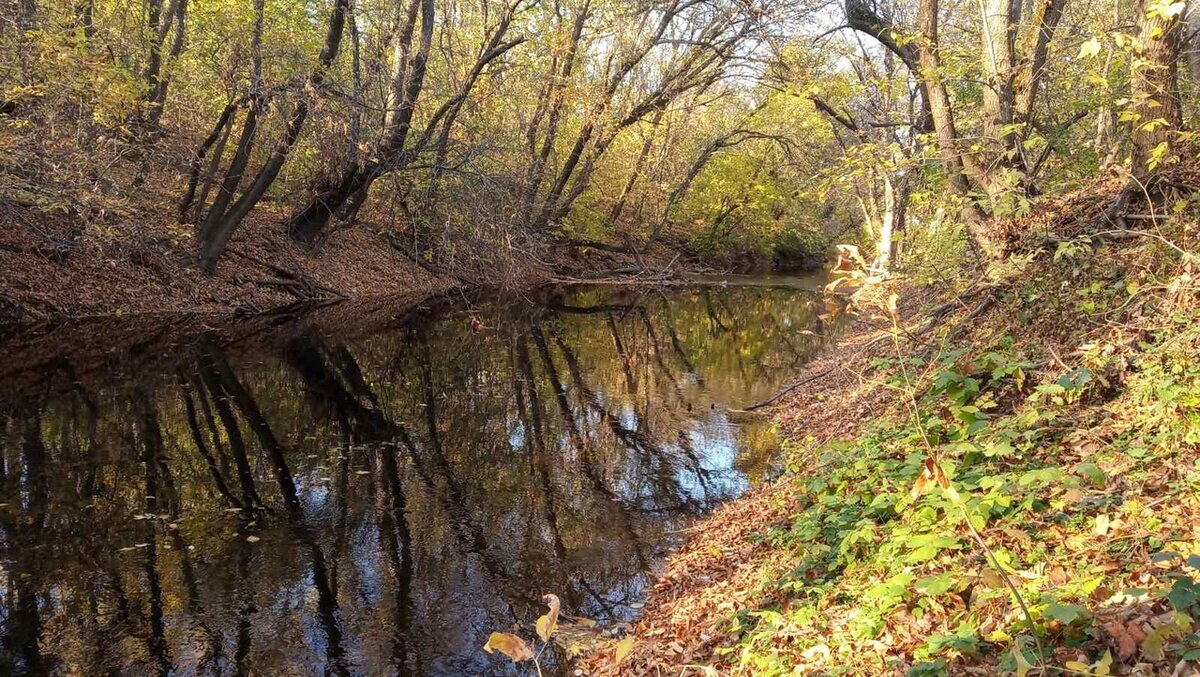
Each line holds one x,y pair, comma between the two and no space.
376,505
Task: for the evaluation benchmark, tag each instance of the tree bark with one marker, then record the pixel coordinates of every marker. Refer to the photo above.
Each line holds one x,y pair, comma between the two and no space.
1155,88
221,226
945,130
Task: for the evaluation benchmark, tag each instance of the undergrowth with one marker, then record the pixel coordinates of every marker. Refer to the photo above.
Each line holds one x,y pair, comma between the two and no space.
1024,508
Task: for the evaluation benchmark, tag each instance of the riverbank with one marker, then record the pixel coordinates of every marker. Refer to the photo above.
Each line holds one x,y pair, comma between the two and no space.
56,267
999,477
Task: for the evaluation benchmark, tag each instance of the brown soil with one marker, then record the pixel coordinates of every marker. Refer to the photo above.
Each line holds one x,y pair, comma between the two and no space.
55,267
51,267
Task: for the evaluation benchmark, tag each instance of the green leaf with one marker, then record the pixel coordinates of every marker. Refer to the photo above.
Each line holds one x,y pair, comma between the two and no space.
1065,613
936,585
1183,593
1090,48
1092,473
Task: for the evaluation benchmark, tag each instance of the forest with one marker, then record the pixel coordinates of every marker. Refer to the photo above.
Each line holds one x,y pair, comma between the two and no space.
614,337
507,138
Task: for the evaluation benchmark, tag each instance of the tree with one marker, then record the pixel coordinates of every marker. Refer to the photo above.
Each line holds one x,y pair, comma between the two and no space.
223,217
999,169
345,196
1156,111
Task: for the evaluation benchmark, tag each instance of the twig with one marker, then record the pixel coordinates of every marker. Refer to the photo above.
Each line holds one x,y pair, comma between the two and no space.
776,397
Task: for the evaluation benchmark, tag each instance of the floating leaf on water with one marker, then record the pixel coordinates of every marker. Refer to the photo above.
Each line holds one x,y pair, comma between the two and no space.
253,539
510,645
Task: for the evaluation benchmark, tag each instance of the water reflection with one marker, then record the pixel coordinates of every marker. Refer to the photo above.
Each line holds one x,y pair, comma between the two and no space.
378,506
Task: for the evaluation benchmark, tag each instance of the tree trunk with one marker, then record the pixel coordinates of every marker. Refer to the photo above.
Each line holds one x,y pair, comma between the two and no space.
998,59
217,136
220,226
156,96
945,130
1191,44
343,199
1155,88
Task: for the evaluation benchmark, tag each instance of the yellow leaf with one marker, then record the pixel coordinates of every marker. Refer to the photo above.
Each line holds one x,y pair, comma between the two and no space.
1090,48
1023,666
548,623
1077,666
510,645
999,636
623,648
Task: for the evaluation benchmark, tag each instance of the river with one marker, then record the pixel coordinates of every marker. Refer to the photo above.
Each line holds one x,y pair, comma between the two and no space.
294,497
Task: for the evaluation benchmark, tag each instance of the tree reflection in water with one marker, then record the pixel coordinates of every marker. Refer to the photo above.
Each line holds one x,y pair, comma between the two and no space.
380,505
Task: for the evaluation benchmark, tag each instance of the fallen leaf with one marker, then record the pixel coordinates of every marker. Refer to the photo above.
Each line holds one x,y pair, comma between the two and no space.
548,622
623,648
1128,637
510,645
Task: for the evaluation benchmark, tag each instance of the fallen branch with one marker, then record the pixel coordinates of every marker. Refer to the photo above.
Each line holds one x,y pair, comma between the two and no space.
777,396
297,283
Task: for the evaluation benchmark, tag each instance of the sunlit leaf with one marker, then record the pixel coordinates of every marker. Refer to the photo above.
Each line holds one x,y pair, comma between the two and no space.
548,622
623,648
510,645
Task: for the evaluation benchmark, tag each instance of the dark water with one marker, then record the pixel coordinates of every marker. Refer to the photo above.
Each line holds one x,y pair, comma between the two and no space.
285,501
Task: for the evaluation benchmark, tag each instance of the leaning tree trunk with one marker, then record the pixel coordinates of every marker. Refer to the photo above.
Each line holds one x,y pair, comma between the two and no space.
347,194
220,225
